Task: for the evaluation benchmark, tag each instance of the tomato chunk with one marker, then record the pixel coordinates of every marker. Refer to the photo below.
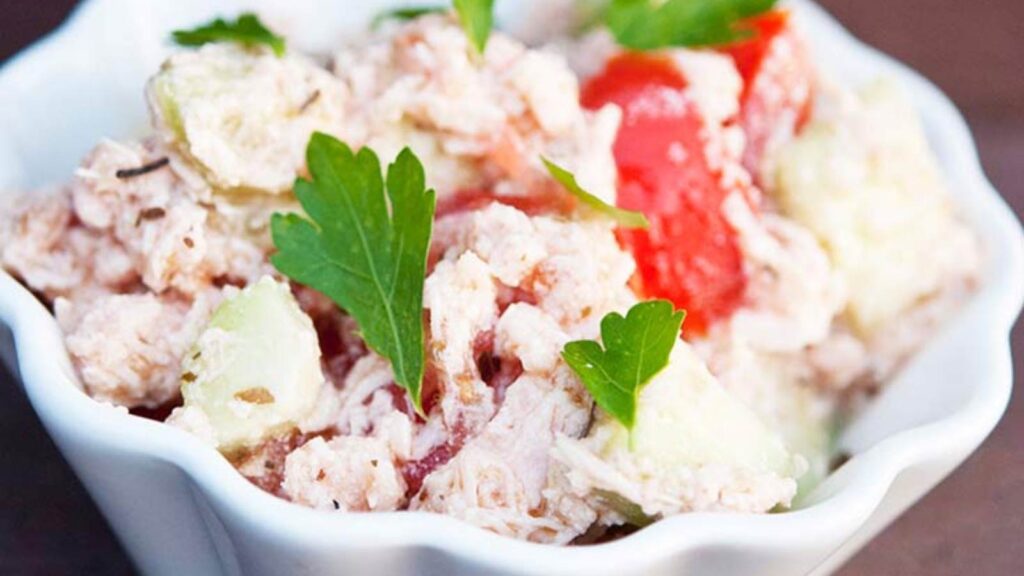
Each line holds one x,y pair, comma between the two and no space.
690,253
778,80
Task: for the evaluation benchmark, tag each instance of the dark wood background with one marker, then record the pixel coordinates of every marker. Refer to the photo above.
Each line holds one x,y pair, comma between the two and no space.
973,523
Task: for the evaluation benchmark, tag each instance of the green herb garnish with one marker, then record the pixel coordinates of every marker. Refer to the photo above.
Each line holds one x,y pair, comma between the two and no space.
370,262
477,18
636,348
247,30
625,218
651,24
403,14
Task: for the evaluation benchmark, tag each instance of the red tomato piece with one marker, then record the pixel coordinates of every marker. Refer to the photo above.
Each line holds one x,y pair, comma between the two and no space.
690,253
777,84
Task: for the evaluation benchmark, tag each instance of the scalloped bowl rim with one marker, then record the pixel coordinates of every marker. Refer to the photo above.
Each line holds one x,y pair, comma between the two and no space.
867,476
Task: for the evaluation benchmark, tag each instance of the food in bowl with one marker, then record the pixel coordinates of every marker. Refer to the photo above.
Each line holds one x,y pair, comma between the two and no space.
490,327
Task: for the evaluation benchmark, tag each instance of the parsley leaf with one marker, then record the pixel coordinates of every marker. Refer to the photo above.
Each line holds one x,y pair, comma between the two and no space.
403,14
651,24
625,218
636,348
247,30
477,18
370,262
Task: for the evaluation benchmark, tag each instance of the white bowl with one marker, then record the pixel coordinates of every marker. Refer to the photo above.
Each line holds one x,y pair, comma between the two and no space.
180,508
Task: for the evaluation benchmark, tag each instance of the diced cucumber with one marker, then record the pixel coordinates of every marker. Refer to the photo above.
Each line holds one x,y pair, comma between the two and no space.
866,184
255,369
806,426
243,116
686,418
686,422
790,406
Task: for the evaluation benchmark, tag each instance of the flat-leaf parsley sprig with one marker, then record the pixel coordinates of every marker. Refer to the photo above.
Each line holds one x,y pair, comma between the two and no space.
246,30
652,24
625,218
367,259
403,14
636,348
477,18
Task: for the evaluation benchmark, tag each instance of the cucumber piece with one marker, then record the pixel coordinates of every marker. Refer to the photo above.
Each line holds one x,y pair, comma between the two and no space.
686,418
694,447
788,405
865,182
807,427
255,370
242,116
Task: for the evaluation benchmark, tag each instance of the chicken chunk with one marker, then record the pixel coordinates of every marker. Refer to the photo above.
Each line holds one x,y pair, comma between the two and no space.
477,124
356,474
499,480
40,243
128,347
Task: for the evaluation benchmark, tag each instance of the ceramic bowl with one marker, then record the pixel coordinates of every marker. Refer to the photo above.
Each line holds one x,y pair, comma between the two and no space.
179,507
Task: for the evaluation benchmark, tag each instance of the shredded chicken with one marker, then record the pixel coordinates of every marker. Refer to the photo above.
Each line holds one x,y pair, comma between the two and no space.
161,219
128,347
345,473
500,480
476,125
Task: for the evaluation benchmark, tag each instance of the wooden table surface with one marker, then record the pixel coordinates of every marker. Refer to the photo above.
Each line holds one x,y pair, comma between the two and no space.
972,523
